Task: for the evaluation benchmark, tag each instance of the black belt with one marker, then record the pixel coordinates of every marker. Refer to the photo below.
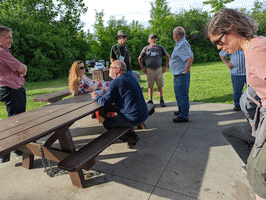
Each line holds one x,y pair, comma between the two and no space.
178,75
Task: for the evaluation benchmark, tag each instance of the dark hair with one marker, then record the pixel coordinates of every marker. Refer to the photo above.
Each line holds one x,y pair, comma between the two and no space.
229,21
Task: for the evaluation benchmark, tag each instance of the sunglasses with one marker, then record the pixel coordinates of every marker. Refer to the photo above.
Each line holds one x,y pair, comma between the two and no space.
219,42
82,68
123,36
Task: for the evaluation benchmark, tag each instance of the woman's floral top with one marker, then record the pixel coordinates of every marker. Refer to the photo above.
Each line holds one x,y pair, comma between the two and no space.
83,85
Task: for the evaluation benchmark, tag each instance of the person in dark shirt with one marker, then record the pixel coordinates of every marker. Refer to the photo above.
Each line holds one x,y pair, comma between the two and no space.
125,92
120,51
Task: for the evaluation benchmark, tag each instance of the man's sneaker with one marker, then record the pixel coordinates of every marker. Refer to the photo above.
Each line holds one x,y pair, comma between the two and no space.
244,169
150,101
176,113
180,120
162,103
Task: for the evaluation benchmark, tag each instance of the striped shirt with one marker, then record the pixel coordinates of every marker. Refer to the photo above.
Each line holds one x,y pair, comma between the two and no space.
238,60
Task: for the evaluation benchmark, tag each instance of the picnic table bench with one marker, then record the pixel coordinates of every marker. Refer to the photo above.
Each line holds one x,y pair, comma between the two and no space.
23,130
85,154
54,96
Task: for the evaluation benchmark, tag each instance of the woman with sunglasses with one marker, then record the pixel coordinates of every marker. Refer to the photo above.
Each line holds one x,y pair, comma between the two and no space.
78,80
231,30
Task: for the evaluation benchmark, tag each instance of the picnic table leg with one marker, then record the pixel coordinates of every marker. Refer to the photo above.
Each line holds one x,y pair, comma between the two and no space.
67,144
77,178
27,160
65,139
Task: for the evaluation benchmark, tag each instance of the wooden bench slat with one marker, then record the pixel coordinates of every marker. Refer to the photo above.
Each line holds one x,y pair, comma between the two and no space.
79,158
54,96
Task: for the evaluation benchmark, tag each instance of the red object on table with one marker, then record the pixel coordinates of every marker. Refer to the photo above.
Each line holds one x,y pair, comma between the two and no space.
109,114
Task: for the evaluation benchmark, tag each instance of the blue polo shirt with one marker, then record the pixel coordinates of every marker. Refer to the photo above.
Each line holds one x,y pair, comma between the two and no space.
127,95
238,60
180,54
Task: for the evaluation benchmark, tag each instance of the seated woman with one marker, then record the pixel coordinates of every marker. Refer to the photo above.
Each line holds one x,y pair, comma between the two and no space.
78,81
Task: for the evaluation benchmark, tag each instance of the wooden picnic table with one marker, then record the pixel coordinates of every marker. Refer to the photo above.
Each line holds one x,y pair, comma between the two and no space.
22,130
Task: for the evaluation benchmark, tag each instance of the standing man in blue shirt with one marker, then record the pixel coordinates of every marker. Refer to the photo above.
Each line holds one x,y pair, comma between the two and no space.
125,93
238,73
180,63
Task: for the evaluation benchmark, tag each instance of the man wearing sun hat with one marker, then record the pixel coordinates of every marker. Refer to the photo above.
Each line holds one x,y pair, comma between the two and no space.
120,51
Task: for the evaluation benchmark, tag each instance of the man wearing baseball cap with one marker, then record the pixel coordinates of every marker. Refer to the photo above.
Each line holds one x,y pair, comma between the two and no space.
120,51
153,54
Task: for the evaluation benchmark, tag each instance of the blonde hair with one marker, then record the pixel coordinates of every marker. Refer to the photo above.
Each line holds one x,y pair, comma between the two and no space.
229,21
74,76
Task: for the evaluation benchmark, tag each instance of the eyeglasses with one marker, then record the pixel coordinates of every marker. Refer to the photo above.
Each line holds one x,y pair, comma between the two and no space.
82,68
219,42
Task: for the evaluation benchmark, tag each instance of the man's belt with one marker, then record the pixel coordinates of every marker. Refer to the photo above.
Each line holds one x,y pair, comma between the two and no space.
178,75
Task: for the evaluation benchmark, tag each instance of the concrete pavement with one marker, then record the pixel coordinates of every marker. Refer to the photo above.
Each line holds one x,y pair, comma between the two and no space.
171,161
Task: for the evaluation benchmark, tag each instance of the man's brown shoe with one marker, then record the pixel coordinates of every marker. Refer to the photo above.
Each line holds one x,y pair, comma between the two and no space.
132,141
180,120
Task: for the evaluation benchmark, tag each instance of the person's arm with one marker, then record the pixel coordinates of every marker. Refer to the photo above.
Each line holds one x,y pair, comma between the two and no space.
189,64
112,55
93,87
22,70
166,63
229,64
109,97
141,65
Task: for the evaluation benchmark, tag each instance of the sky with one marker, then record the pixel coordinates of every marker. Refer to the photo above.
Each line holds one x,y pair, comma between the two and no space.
139,10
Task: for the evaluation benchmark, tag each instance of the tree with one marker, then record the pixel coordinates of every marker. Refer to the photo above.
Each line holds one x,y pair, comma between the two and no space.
104,38
194,22
159,12
217,4
47,35
259,14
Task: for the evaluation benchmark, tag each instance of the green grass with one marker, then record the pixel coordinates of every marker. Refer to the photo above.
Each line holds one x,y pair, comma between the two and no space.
209,83
34,89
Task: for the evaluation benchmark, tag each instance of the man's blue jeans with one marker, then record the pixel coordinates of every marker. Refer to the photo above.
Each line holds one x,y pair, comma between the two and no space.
181,87
118,121
238,84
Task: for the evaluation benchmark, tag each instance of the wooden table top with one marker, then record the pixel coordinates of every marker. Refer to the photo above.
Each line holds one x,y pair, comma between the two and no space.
29,126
